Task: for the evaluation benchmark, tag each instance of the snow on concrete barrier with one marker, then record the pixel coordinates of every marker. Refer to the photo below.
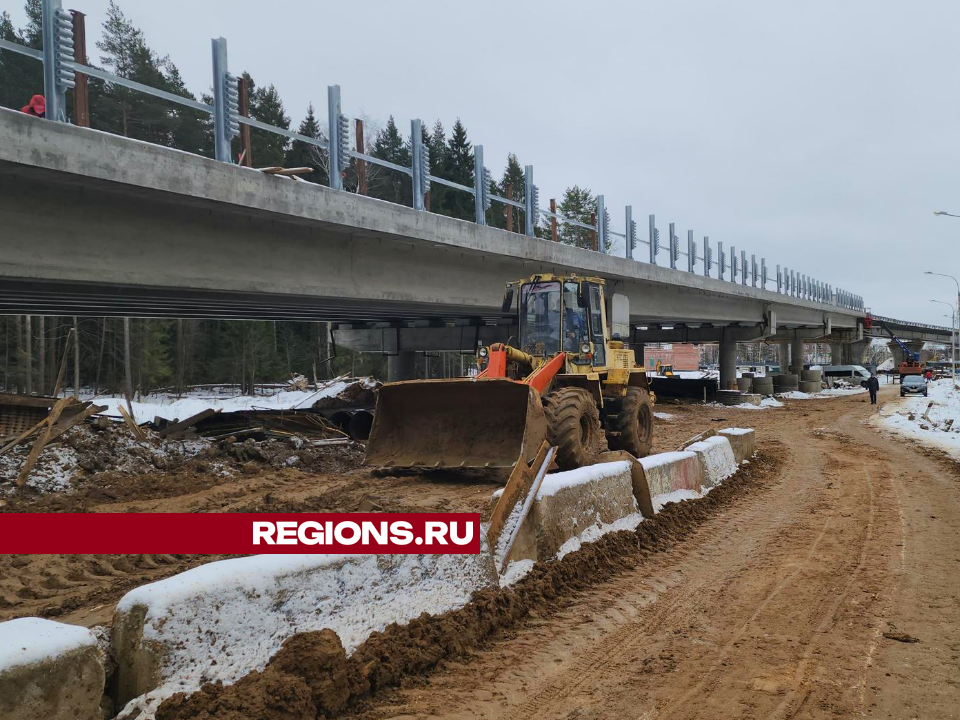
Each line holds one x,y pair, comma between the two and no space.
716,458
49,670
742,440
220,621
671,471
577,506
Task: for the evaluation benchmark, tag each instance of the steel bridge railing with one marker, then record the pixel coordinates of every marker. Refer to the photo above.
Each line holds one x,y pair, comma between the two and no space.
60,69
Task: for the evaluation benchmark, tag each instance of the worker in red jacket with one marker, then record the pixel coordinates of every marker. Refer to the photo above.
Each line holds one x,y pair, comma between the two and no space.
36,107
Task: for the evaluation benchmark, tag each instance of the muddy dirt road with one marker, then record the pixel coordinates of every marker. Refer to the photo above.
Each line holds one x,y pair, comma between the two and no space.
84,588
832,592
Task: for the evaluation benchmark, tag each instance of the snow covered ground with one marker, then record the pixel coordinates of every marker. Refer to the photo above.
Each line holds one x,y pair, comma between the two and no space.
932,421
170,406
823,394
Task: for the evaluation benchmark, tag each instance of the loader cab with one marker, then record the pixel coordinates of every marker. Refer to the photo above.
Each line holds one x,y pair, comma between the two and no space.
563,315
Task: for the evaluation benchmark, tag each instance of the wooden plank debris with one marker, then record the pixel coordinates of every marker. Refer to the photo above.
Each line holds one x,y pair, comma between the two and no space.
42,440
179,427
137,431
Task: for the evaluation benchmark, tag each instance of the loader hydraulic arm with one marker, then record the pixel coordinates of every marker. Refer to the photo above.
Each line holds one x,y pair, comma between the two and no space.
541,374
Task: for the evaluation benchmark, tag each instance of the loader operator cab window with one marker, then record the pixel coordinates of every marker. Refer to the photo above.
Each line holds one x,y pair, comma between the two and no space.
540,318
596,325
575,331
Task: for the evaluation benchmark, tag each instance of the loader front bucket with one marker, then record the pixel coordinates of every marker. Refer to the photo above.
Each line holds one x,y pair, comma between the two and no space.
456,423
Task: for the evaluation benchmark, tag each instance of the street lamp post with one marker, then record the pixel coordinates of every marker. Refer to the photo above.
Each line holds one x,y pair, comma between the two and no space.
953,336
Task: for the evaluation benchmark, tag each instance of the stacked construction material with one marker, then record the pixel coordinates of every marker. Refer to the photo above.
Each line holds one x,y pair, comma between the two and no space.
735,397
811,381
785,382
763,385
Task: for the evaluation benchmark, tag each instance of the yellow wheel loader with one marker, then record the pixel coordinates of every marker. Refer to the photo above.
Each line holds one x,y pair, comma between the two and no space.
568,380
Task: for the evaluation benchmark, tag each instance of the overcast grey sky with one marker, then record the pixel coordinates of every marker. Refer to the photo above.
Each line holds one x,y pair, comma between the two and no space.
820,135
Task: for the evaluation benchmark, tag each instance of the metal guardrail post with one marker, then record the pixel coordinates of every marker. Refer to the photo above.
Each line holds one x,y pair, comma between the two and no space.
743,267
721,261
674,250
779,280
226,98
631,231
57,32
691,251
733,264
763,273
416,155
479,186
654,240
707,256
333,123
753,270
531,202
601,225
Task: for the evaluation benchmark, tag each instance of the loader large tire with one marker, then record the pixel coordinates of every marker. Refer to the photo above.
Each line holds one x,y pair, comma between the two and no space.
573,425
634,423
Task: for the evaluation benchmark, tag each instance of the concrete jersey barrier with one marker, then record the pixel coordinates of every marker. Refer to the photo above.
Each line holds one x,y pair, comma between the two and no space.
716,458
222,620
572,503
49,670
742,440
672,471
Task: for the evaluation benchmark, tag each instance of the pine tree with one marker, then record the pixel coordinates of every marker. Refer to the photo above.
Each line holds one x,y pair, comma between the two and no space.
458,167
578,204
138,115
268,148
513,178
391,185
301,154
437,143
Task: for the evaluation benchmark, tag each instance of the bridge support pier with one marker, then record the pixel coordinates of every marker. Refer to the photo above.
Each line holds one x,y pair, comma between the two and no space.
402,366
783,355
836,353
796,355
853,352
728,364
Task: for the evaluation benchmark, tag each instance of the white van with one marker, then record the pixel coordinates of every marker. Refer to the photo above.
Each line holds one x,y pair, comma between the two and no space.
854,374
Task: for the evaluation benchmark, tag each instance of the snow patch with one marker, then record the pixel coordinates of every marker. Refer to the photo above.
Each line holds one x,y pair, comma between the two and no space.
31,640
595,532
552,484
652,461
515,572
933,421
659,501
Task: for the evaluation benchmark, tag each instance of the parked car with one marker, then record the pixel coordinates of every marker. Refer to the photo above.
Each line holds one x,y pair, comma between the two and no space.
913,385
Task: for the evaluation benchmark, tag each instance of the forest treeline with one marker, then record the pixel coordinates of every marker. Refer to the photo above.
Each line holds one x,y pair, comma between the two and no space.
174,352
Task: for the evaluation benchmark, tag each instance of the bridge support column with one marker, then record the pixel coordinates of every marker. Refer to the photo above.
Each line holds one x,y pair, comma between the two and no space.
402,366
796,355
783,355
836,353
638,354
853,352
728,364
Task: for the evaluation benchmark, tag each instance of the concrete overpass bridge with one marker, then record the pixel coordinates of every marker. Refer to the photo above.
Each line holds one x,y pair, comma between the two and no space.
96,224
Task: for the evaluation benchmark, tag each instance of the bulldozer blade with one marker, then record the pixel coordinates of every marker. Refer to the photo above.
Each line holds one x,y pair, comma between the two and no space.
456,423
